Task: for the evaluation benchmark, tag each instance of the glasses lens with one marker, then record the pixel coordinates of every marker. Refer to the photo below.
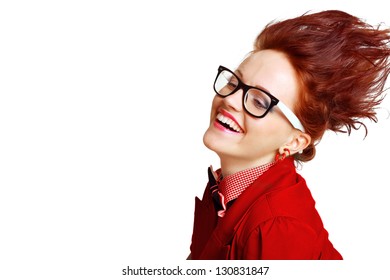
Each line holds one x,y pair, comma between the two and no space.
225,83
257,102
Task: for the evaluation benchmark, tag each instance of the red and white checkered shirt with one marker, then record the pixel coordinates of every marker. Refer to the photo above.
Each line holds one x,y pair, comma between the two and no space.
231,186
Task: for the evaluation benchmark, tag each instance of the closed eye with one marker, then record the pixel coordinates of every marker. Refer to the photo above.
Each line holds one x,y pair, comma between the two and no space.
260,103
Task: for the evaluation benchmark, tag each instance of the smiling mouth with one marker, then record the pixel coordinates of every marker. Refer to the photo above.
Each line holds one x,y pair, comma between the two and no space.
228,123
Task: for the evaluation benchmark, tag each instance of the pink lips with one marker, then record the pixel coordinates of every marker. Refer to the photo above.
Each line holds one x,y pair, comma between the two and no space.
230,116
222,128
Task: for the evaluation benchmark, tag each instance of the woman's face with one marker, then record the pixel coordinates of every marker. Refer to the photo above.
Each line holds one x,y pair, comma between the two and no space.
258,139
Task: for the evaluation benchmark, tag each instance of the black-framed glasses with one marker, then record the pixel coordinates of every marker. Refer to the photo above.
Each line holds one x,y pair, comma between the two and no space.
256,102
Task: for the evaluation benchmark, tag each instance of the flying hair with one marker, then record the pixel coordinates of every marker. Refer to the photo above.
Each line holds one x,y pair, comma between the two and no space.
341,63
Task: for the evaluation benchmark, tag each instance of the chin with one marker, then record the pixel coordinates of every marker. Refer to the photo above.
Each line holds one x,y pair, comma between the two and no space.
215,143
209,140
212,141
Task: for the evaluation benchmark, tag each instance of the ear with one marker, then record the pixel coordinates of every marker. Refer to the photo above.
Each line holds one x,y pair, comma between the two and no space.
298,142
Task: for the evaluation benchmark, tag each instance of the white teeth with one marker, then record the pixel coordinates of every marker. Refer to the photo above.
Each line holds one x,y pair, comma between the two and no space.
229,122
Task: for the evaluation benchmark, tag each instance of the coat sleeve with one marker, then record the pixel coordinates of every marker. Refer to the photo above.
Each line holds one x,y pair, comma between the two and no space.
281,238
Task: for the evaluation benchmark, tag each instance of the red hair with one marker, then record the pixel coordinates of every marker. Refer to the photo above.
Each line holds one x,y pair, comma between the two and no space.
342,64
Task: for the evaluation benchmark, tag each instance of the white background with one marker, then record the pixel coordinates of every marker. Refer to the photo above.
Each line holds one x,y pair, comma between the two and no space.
103,105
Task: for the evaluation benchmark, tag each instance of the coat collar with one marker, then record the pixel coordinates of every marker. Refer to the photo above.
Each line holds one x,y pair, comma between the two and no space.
221,233
283,172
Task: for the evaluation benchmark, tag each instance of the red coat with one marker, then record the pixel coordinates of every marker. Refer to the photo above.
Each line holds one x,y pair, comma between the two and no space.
274,218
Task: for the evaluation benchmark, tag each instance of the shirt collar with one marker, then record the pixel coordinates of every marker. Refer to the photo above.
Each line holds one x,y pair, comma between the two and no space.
233,185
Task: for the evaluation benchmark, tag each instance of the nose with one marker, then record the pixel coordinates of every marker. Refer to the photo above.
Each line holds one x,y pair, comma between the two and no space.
234,101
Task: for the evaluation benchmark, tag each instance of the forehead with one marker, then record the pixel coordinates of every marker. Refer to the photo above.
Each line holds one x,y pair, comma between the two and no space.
272,71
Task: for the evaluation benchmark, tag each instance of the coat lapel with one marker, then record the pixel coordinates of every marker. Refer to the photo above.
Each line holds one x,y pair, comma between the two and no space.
213,236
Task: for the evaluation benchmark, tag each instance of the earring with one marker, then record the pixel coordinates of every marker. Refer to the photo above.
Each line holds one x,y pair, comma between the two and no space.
280,157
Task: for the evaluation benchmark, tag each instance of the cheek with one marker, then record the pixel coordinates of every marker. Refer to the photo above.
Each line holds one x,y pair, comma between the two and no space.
268,130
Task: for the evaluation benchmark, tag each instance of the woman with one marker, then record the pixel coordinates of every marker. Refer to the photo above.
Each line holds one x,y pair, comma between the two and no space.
305,75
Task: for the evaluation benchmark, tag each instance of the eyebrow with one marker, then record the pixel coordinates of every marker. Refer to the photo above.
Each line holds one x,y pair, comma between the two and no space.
238,71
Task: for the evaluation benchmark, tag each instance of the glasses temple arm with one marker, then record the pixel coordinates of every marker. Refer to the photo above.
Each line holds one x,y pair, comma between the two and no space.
292,118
